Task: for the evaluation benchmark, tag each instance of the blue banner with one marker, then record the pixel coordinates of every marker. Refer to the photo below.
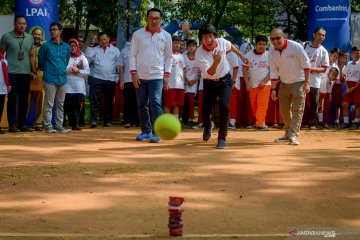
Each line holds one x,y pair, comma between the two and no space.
38,13
334,17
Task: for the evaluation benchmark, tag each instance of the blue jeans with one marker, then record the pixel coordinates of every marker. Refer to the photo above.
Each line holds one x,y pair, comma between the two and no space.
149,91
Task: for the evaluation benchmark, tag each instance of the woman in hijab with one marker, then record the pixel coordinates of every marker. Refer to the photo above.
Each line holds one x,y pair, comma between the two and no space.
245,115
75,88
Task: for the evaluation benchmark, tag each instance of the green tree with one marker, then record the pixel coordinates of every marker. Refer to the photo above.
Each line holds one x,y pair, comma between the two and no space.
7,7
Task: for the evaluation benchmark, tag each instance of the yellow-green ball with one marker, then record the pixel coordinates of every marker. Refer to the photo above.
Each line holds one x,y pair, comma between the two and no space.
167,126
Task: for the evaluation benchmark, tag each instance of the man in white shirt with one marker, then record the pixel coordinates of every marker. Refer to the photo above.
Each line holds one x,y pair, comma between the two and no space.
210,57
150,66
319,60
289,65
106,64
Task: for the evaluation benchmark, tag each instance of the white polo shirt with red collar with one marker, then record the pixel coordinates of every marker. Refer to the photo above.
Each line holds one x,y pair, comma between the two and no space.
150,54
289,64
352,71
258,67
204,59
319,57
106,62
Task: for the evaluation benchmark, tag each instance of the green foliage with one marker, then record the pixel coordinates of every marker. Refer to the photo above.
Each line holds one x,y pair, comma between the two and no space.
252,17
355,5
85,12
7,7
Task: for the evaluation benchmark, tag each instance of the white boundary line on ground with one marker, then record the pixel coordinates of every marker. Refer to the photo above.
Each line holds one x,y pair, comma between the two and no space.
124,236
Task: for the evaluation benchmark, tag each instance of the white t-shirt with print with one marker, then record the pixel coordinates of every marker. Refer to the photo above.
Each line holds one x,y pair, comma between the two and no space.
177,72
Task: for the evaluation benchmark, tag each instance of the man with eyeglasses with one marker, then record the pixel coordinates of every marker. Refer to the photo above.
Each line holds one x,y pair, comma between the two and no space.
150,59
290,67
53,58
17,45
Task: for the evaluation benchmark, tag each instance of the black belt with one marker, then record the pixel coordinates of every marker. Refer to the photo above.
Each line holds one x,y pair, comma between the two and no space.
218,79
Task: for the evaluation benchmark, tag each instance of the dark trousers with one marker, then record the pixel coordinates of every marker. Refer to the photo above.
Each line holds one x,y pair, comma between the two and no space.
18,96
130,104
212,90
313,107
102,88
73,103
82,113
2,102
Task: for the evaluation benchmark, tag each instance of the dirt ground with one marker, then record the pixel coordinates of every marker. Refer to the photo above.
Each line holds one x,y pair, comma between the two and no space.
101,184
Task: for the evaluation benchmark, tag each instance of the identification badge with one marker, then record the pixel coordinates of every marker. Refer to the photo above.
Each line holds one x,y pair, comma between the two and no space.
20,55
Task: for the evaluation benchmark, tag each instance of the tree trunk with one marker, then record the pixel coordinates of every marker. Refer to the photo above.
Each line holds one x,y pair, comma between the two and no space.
79,8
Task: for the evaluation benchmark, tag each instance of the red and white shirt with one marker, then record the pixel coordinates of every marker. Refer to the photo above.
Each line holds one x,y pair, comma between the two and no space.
233,61
352,71
204,59
3,87
319,57
258,67
326,85
289,64
177,72
150,54
191,72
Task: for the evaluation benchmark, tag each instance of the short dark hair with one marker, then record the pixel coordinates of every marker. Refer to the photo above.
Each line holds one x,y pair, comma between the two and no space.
355,48
191,42
58,25
334,69
319,29
261,38
101,34
335,50
153,10
19,16
343,53
207,29
175,38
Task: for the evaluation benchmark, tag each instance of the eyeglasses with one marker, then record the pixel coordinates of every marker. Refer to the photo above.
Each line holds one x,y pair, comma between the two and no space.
155,18
275,38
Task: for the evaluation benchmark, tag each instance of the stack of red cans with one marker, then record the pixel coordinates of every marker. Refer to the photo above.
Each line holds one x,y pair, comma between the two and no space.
175,213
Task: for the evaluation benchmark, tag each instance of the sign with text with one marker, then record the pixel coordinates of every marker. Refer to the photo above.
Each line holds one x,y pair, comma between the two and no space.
334,17
38,13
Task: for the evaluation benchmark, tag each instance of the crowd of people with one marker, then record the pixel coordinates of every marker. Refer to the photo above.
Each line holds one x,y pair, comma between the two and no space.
288,86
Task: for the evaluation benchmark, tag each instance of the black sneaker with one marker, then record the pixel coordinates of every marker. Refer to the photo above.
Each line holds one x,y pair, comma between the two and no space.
336,125
324,125
344,125
13,129
93,124
263,128
207,132
25,129
353,126
108,124
221,144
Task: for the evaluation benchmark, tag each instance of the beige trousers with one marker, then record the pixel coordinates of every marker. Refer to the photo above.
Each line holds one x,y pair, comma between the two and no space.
292,103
